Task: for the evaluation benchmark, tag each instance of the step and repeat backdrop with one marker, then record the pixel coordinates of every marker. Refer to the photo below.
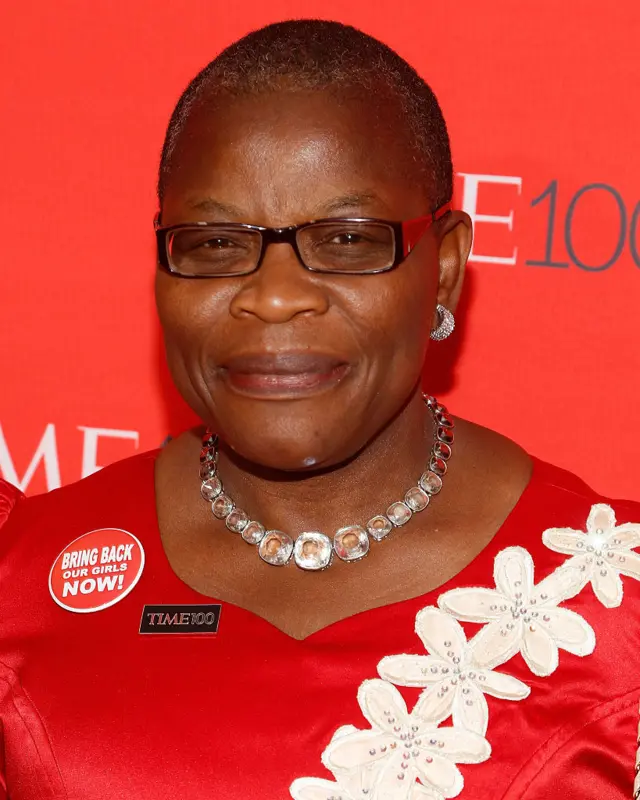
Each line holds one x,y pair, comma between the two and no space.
542,104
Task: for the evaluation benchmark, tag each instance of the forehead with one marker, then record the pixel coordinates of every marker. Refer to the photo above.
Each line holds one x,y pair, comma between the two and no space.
287,152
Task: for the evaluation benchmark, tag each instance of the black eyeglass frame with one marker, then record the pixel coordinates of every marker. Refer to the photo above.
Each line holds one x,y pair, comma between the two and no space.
406,235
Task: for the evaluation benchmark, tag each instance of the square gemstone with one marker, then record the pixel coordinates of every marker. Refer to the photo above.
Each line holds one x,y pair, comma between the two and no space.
211,488
444,420
312,550
207,454
253,532
222,506
276,548
399,514
437,465
351,543
442,450
379,527
430,482
416,499
237,520
207,470
445,435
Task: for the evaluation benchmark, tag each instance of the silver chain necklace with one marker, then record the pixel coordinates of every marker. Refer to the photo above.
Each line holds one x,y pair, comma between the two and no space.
313,550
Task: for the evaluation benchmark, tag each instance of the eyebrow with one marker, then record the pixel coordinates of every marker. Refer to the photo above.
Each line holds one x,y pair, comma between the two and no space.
344,202
212,206
347,201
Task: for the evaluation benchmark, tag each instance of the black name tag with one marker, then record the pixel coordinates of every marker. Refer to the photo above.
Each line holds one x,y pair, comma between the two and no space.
180,619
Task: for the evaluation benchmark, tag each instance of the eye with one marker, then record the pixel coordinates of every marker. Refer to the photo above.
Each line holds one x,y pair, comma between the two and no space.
219,243
347,237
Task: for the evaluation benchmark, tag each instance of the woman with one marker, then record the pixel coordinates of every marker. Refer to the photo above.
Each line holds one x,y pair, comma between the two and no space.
153,649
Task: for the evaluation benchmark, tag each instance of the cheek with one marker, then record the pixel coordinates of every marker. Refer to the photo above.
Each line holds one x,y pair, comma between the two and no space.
396,314
187,310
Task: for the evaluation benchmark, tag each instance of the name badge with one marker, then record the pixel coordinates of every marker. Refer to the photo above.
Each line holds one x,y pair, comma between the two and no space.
181,619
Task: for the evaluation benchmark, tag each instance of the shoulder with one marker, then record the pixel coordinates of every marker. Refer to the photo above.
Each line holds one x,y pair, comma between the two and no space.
37,529
96,500
510,478
9,496
563,522
564,494
503,469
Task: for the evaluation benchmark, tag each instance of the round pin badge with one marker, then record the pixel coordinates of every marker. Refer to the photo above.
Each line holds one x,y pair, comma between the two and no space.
97,570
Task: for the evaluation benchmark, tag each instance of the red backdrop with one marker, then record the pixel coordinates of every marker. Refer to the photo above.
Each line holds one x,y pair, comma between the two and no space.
542,104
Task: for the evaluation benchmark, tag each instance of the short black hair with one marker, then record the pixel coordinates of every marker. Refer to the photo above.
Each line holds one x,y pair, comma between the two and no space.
306,54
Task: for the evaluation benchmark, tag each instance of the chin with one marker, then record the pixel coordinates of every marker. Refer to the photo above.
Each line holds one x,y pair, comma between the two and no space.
292,443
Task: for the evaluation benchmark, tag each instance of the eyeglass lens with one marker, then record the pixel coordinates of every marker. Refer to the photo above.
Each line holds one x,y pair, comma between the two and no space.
328,247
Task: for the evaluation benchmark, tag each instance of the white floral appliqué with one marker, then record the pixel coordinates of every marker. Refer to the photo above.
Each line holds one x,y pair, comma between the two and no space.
407,756
349,785
521,616
602,554
455,684
402,757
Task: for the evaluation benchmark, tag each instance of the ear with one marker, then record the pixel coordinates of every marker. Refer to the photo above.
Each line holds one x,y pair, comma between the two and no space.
455,245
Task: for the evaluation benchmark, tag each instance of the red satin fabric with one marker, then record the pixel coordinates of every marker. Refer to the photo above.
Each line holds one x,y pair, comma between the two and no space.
91,709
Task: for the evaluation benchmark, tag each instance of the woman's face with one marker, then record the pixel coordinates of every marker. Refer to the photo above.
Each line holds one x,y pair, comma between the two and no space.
296,369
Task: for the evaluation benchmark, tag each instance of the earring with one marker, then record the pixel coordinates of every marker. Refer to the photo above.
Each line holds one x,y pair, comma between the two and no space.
446,324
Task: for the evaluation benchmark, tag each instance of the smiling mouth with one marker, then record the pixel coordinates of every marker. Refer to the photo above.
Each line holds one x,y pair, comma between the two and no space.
283,375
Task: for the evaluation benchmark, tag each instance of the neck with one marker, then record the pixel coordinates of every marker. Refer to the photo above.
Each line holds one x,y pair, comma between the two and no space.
350,493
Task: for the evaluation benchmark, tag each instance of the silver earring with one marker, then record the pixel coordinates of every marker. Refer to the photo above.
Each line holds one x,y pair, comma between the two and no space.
446,324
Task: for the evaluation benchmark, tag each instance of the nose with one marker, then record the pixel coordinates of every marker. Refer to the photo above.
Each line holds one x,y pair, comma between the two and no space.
280,289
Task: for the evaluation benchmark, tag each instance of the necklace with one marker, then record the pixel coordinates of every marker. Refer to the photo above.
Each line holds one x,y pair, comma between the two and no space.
313,550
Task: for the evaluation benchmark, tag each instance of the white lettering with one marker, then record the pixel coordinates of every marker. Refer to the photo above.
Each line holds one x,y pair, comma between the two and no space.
470,205
69,588
47,452
121,552
107,584
90,445
89,557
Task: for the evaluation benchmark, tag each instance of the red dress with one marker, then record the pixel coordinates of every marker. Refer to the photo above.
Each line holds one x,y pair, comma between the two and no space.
93,709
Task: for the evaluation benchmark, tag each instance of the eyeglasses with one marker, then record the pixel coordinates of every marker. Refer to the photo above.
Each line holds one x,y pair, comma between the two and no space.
338,246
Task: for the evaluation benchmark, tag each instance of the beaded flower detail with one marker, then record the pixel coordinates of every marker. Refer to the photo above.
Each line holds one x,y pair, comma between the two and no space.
408,755
399,749
522,617
602,554
454,683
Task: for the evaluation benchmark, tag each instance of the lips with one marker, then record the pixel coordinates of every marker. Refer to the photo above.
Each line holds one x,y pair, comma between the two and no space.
283,375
